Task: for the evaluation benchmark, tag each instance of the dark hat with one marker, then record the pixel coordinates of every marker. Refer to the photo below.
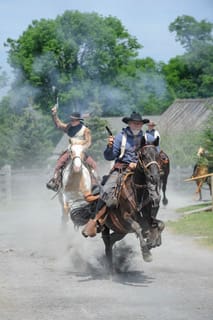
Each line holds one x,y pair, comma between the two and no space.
76,116
134,117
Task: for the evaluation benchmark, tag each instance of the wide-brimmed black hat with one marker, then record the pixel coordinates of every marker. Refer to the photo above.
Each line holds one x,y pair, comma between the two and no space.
135,117
76,116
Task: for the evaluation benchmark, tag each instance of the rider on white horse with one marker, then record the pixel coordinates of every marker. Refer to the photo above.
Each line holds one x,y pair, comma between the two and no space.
78,134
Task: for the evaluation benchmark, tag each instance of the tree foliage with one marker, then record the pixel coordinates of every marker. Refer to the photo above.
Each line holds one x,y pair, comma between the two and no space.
93,63
191,75
25,136
76,52
208,139
189,31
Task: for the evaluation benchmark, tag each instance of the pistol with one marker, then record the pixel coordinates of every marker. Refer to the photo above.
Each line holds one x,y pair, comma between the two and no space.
109,131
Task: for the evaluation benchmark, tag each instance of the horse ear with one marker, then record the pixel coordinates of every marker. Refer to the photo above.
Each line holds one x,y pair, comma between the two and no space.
156,142
143,141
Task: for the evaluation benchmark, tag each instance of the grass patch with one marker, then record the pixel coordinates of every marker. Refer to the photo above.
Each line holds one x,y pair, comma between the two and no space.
198,225
193,207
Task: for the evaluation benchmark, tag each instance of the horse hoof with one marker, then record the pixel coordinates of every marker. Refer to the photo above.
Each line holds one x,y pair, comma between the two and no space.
161,225
84,234
165,202
147,256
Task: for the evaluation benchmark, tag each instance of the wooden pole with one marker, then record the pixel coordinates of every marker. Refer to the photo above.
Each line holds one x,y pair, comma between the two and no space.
199,177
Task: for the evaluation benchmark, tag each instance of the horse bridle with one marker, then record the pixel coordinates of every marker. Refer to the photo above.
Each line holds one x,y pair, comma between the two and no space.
147,165
73,158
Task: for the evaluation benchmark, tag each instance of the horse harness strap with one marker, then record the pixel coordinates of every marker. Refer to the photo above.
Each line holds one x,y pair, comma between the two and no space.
123,145
128,194
117,223
151,162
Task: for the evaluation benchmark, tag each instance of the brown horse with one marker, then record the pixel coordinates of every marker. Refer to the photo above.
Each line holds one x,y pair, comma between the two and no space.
138,204
200,169
164,163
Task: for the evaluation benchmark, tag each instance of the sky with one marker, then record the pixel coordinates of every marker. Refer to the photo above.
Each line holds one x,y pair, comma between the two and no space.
147,20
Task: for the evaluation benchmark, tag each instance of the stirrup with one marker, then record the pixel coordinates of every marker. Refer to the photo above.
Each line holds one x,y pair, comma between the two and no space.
52,185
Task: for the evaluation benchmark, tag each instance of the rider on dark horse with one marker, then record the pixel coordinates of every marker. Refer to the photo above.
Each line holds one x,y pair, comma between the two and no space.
77,133
123,149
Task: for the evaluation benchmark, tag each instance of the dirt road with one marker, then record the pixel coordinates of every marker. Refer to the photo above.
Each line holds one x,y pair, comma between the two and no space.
46,275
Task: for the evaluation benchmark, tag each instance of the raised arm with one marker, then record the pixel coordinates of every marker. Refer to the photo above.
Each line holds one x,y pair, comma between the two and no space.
58,123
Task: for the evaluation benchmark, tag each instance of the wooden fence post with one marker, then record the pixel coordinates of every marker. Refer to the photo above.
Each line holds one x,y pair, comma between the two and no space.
6,193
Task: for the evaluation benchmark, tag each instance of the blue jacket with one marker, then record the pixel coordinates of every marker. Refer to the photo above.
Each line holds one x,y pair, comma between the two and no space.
132,143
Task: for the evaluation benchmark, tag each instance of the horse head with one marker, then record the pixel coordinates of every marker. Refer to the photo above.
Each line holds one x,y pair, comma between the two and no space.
164,159
77,156
149,160
147,171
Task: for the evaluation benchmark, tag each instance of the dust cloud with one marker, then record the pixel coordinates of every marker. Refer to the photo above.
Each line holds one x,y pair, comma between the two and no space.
49,273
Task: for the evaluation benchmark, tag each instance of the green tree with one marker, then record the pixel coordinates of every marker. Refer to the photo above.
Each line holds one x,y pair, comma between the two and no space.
145,87
25,136
191,75
189,31
3,78
99,136
208,138
76,52
7,131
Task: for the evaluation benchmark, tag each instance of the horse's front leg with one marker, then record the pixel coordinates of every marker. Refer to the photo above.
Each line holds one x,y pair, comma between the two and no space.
108,248
109,241
66,212
135,227
198,190
67,204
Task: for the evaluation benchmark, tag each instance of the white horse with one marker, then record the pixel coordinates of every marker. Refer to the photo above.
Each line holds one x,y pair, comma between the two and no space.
76,182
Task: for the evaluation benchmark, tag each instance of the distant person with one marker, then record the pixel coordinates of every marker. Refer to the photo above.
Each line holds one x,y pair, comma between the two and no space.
151,133
201,161
77,133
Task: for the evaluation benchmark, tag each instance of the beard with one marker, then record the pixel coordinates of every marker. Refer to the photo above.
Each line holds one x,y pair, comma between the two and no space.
136,132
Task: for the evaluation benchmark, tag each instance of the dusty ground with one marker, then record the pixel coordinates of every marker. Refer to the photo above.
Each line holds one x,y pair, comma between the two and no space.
45,274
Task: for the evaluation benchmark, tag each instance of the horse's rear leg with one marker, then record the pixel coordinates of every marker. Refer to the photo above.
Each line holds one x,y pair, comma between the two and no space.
164,183
164,200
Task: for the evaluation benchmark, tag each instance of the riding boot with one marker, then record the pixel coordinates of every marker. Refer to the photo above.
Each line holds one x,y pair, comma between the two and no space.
54,182
91,227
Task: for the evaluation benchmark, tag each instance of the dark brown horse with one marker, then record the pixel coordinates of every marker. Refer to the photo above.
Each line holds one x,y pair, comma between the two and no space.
164,173
138,204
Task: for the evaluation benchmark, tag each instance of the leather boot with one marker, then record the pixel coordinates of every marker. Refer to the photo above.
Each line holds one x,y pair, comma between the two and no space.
55,182
90,229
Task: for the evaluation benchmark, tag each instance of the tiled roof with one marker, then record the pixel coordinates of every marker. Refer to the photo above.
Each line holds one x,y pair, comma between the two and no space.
185,114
